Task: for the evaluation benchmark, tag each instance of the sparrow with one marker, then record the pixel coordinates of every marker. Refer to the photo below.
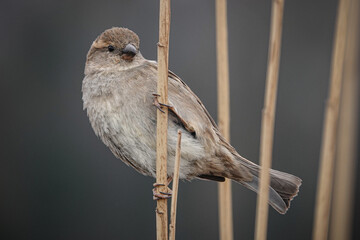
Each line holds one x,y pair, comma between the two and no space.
119,95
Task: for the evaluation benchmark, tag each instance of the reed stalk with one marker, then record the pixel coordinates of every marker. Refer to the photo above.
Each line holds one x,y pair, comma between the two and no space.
329,138
268,118
344,181
175,187
162,119
224,192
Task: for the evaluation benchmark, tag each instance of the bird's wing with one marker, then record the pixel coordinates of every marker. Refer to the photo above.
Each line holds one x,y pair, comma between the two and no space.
189,109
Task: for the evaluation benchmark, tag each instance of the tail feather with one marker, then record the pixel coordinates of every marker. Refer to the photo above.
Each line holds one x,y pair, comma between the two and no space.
274,198
286,185
283,186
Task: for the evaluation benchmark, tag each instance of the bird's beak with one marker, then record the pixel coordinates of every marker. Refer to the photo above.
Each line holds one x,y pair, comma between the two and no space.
129,52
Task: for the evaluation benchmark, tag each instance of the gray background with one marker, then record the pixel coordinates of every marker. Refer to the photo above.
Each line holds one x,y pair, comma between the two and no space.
58,181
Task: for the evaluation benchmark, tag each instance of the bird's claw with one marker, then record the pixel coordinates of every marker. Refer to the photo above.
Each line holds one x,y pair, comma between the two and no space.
158,184
158,105
160,194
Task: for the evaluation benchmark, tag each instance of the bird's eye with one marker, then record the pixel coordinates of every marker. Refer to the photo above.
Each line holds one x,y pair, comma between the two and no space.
111,48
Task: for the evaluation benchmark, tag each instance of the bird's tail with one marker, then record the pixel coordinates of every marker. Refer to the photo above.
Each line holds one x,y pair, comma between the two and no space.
283,186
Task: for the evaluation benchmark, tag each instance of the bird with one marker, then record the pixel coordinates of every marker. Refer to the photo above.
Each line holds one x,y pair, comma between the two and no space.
120,98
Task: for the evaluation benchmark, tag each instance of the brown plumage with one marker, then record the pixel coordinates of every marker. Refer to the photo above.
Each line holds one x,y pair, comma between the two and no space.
118,93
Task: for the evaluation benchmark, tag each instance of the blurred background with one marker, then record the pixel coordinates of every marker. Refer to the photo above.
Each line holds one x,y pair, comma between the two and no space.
58,181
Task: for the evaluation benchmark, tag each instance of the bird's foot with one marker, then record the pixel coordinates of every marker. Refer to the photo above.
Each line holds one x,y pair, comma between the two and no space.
158,105
159,194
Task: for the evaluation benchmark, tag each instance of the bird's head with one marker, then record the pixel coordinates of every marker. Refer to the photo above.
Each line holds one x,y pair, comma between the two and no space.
114,47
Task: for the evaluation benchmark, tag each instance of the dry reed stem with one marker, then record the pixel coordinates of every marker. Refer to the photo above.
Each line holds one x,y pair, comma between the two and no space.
162,119
326,170
225,204
342,208
175,187
268,118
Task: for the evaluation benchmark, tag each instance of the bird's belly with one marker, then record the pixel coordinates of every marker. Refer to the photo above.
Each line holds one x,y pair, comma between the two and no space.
129,130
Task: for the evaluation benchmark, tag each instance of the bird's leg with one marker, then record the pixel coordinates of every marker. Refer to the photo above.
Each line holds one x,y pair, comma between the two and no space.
162,195
157,104
169,179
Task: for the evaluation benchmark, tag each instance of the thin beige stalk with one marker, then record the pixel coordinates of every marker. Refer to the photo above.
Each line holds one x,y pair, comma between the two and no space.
326,170
268,118
225,201
162,119
175,187
343,202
